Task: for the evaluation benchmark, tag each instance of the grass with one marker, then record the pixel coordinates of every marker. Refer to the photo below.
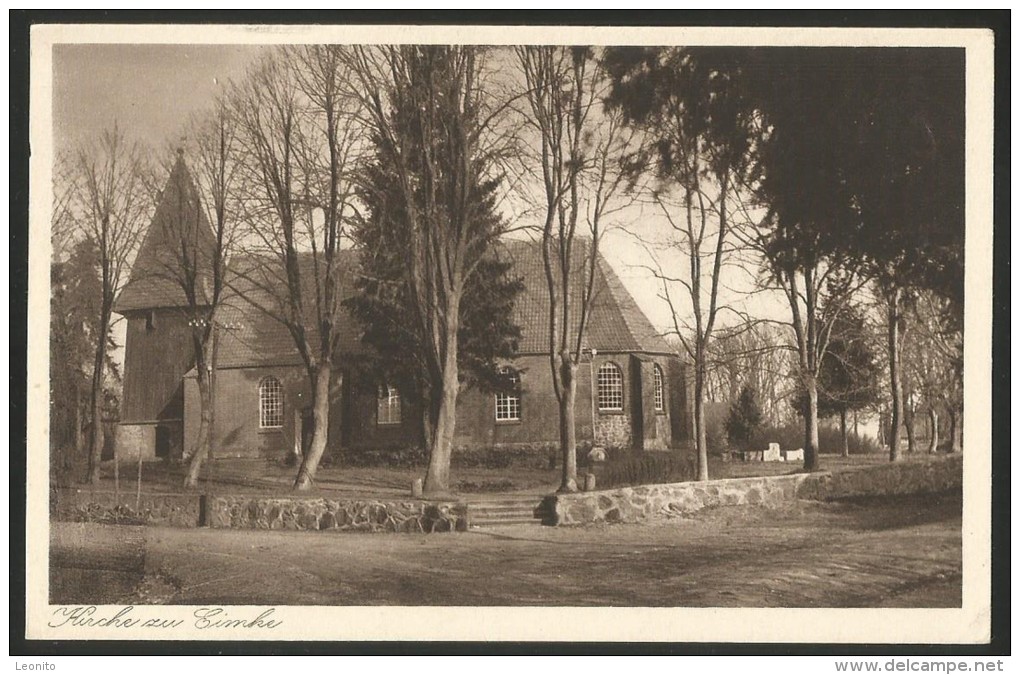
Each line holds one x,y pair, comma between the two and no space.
263,477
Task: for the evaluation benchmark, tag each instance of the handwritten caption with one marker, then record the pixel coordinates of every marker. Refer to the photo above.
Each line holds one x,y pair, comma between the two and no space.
203,618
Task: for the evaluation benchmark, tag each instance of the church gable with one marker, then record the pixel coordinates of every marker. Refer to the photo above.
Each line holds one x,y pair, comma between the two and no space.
616,323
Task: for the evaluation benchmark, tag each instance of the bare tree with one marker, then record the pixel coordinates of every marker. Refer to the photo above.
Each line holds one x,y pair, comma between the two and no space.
702,231
581,156
817,291
688,103
112,208
934,359
300,135
202,229
757,356
433,123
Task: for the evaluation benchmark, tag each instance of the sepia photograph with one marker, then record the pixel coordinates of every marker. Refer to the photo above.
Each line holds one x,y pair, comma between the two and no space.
510,333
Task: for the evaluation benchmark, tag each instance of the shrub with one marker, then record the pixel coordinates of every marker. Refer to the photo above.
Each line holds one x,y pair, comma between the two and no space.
530,456
394,457
645,469
498,485
715,426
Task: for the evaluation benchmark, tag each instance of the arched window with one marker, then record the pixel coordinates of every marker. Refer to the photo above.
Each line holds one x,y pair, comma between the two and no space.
270,403
660,393
387,407
610,387
508,402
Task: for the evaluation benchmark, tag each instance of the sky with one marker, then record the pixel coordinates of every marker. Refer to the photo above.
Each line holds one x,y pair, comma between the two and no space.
150,90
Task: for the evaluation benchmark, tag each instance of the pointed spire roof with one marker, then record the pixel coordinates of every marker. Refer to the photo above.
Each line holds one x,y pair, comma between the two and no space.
178,240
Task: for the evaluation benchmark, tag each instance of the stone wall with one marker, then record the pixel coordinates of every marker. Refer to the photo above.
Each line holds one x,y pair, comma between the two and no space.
94,506
910,477
281,513
257,512
662,438
612,430
650,501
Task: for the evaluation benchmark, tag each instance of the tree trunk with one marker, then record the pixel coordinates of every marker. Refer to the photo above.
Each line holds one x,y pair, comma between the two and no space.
842,429
72,461
437,477
933,436
79,437
700,432
96,404
428,429
202,444
894,377
954,428
908,422
568,428
857,429
320,428
811,426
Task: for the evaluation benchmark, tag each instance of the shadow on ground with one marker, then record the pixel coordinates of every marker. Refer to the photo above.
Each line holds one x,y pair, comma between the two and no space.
888,551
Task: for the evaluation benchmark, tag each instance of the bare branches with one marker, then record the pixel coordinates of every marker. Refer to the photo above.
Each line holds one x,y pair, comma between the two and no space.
581,154
106,201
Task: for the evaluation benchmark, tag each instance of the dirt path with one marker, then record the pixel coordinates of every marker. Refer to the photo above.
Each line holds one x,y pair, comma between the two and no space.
903,551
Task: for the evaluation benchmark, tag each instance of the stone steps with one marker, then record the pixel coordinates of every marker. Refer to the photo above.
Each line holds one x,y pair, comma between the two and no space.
504,512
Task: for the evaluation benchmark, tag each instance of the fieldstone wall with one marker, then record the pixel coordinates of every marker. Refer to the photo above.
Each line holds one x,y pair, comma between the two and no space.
612,430
281,513
662,434
650,501
902,478
94,506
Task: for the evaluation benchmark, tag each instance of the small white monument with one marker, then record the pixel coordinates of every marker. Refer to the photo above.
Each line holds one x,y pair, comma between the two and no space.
794,455
772,454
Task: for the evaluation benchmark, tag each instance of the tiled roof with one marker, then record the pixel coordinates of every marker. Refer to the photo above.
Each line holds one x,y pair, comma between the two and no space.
252,336
178,218
616,323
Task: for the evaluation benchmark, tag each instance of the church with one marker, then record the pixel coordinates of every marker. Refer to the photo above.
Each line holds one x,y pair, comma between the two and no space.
631,394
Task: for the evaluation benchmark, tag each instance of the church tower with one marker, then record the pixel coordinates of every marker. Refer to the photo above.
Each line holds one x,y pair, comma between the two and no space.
158,349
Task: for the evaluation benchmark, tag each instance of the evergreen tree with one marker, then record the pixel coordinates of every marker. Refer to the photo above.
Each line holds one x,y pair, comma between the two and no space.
431,124
74,312
384,304
744,418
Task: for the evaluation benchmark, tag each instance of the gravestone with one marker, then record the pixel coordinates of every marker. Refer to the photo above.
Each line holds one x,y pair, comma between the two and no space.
794,455
772,454
596,455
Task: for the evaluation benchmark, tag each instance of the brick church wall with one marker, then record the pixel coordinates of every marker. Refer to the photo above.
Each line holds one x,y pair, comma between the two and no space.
236,432
354,427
